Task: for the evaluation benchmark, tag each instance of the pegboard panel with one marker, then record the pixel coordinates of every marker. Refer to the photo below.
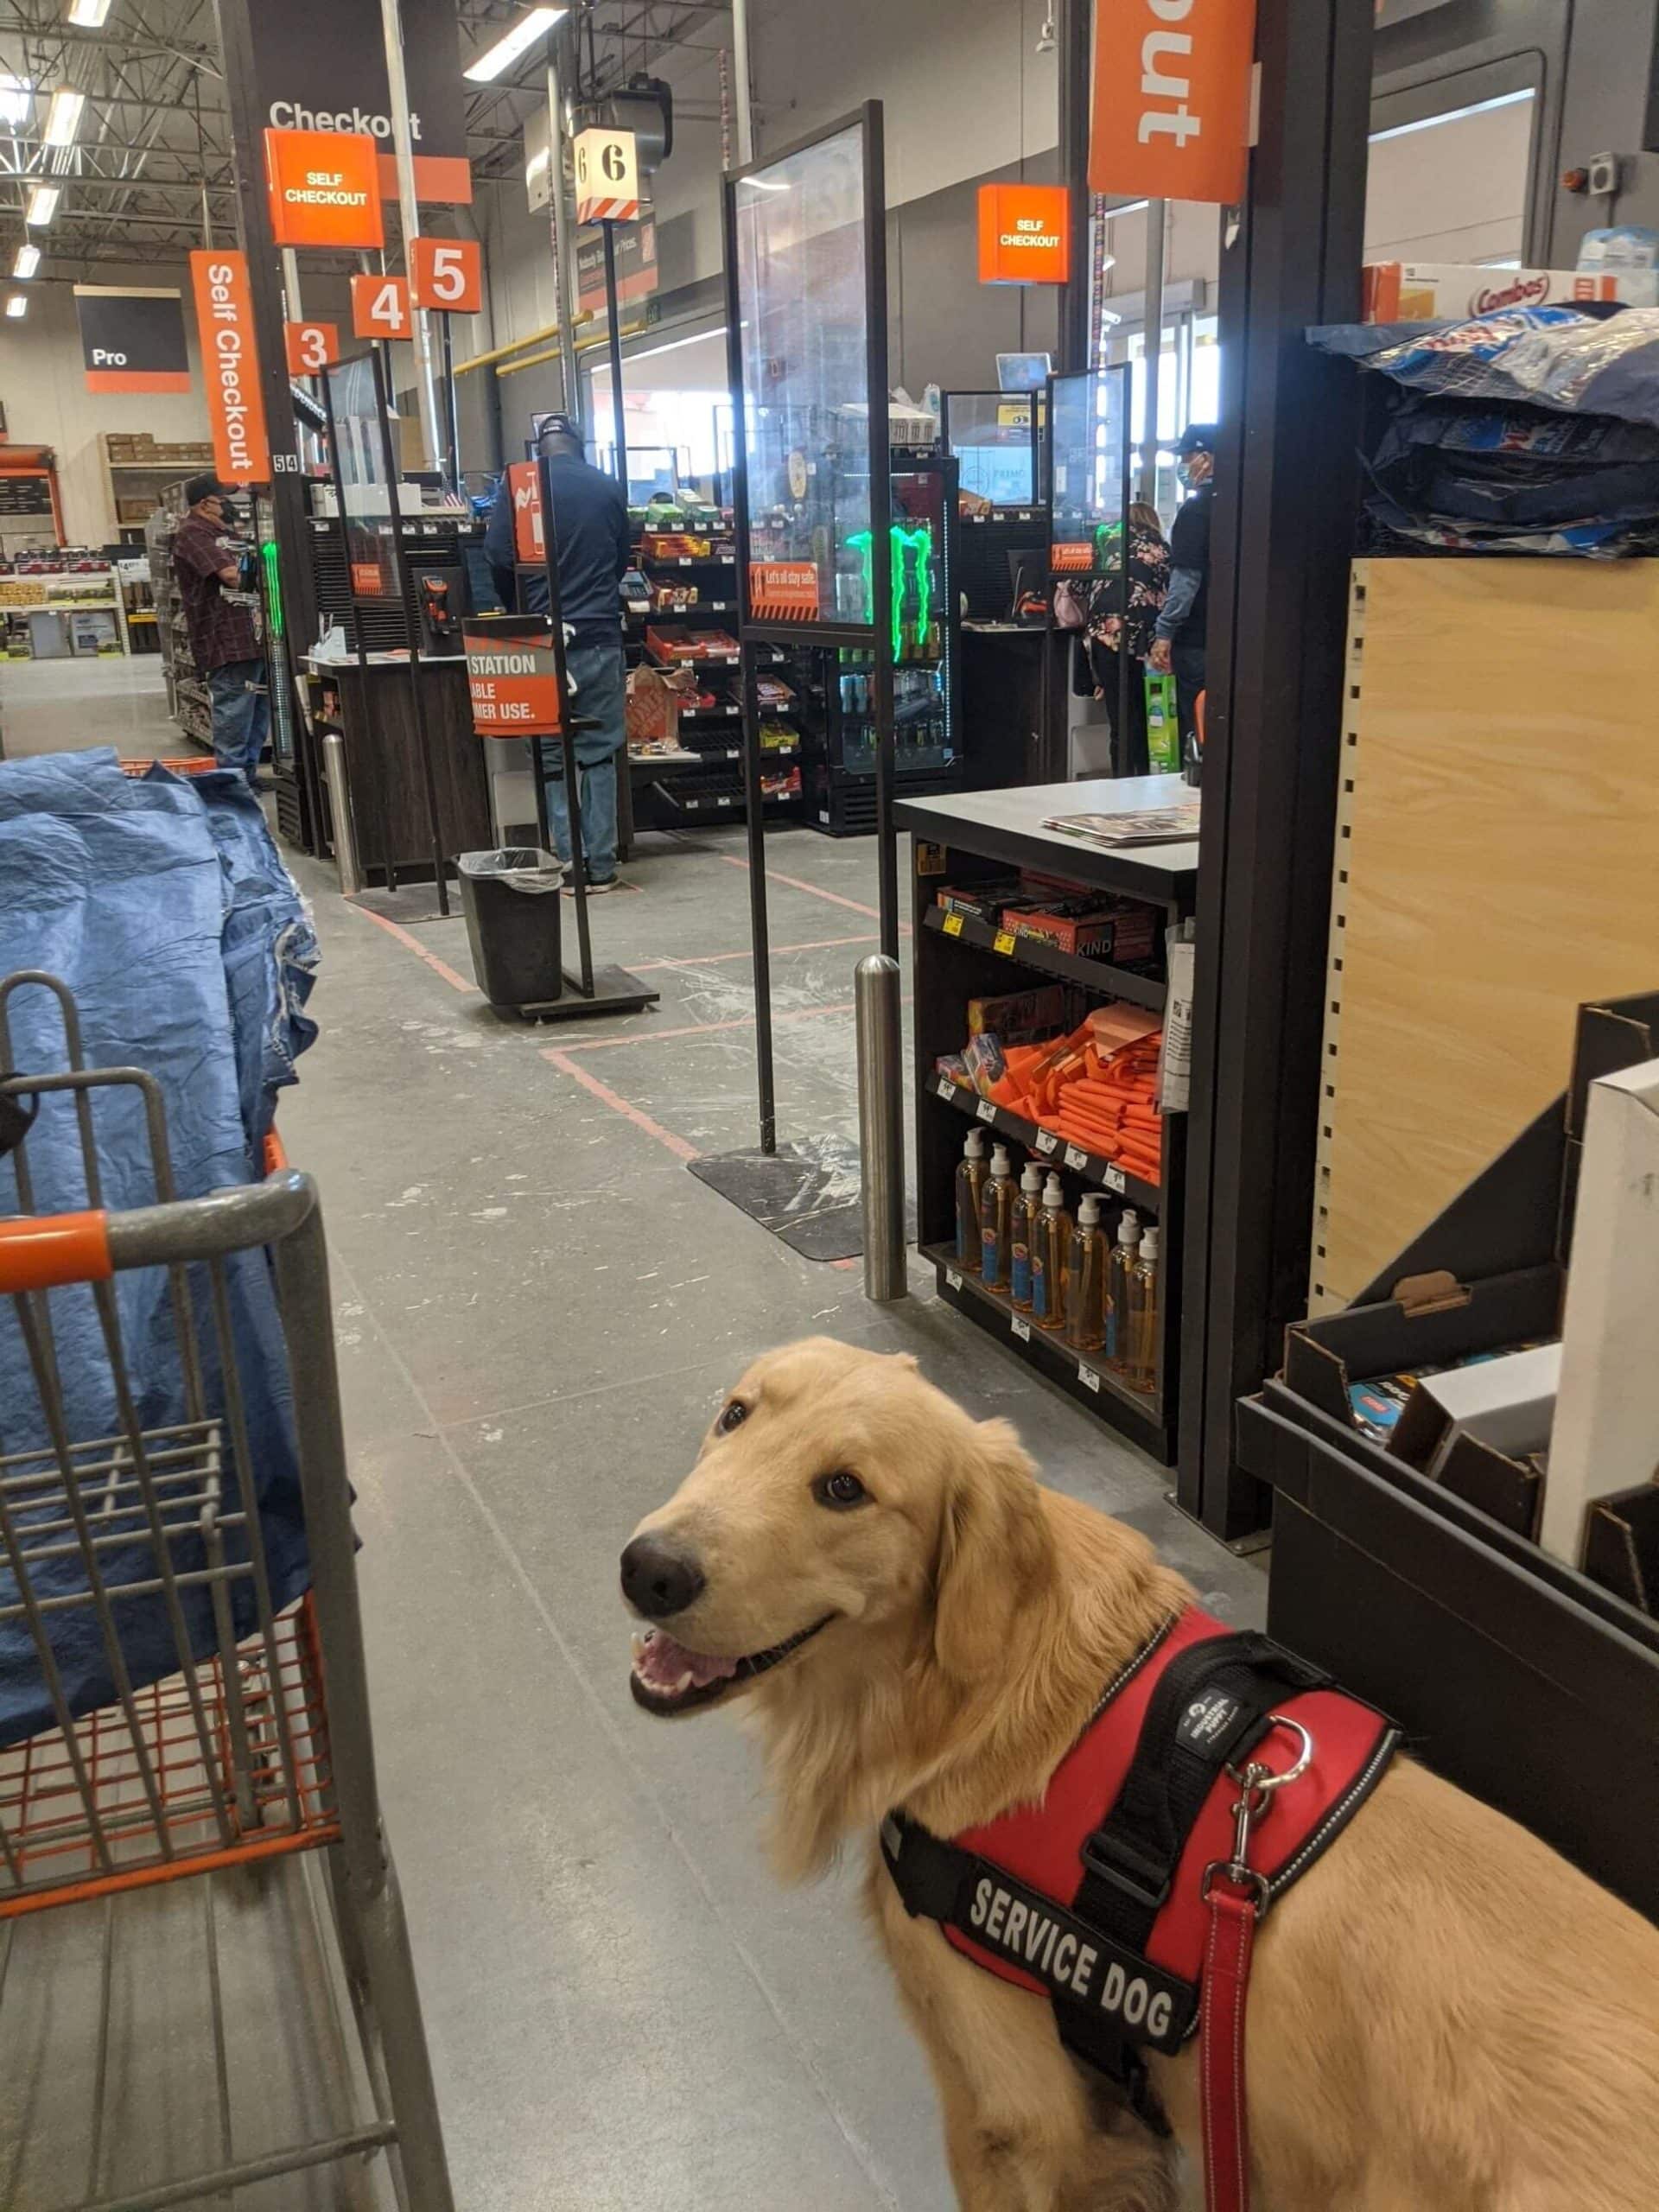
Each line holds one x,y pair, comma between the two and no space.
1497,863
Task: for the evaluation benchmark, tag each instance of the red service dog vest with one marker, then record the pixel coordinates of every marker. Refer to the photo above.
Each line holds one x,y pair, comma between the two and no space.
1098,1897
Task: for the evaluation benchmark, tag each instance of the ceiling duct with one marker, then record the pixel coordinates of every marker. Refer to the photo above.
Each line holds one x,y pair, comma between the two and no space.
645,106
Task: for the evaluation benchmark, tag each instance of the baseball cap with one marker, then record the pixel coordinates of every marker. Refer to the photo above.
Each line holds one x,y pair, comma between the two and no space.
557,425
1198,437
204,487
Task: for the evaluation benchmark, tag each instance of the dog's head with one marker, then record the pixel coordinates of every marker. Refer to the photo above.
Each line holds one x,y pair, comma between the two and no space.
840,1506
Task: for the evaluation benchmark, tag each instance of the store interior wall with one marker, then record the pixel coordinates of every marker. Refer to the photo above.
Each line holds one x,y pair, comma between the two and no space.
43,385
1455,191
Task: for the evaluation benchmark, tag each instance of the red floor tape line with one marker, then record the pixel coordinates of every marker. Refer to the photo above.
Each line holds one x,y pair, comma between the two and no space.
813,890
618,1104
396,929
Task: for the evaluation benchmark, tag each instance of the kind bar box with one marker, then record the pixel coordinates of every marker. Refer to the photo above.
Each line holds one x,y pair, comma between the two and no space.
1438,291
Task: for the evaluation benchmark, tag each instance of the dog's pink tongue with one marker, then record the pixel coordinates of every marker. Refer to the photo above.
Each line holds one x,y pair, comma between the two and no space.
664,1664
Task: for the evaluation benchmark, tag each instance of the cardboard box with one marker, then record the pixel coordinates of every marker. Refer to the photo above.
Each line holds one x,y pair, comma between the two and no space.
1606,1437
1423,291
1019,1017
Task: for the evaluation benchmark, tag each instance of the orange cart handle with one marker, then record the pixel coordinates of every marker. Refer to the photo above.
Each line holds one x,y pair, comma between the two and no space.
38,1253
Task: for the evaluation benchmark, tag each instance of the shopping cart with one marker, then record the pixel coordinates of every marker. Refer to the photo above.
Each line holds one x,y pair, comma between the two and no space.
248,1763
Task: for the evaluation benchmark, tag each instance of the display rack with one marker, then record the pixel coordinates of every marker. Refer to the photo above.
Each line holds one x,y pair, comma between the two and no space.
702,780
838,724
137,472
31,513
967,839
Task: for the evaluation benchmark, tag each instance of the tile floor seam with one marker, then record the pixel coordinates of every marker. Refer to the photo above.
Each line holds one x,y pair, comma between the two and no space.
606,1720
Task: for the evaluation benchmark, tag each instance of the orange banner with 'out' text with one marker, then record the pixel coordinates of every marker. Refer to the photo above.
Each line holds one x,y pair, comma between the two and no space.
1171,109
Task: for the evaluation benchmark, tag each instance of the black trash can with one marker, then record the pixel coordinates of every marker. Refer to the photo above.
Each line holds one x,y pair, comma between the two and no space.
512,902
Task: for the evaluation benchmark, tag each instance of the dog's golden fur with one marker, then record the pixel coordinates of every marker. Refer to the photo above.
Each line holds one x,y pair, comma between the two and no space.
1445,2016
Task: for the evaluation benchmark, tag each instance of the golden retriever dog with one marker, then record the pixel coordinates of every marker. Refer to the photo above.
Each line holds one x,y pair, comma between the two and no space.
1445,2016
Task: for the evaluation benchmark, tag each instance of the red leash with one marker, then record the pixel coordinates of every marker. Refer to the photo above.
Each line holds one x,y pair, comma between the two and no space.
1238,1897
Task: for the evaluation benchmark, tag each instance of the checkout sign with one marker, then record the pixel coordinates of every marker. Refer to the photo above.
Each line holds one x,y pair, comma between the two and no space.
513,678
1172,109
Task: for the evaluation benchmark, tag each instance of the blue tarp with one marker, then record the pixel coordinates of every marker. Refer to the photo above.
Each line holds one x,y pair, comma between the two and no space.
163,906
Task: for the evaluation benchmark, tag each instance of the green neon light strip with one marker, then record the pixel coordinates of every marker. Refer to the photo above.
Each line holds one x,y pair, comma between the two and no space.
919,541
273,587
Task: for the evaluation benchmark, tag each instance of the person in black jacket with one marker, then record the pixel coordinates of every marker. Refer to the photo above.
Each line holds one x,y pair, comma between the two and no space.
594,542
1184,624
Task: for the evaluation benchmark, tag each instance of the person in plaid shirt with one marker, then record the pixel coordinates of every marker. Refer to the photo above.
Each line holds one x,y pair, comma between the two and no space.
222,633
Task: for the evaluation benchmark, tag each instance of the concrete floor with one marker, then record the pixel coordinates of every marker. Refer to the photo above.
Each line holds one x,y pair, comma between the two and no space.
536,1307
55,706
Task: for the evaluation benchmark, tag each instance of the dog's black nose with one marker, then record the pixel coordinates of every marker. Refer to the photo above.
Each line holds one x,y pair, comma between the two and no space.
658,1581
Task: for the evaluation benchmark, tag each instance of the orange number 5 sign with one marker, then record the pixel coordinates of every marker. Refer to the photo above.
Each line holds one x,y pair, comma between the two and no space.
380,307
450,276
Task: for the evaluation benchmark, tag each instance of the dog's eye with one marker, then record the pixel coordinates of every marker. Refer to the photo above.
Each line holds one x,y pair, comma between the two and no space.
841,1489
732,1416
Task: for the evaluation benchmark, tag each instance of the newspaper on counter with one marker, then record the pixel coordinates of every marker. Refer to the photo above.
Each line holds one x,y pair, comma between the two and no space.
1152,825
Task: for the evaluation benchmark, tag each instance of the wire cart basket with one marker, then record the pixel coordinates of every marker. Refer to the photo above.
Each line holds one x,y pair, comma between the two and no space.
208,1834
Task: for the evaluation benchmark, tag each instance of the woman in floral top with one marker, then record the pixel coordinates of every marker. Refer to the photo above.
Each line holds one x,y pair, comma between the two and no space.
1104,638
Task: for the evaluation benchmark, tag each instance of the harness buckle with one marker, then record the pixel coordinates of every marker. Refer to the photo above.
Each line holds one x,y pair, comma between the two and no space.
1113,1861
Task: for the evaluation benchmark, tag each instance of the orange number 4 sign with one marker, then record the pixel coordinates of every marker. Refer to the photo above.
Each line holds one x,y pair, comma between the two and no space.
450,276
380,307
312,347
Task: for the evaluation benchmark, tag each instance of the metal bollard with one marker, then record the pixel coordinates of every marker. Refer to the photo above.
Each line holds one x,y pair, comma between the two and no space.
881,1128
340,814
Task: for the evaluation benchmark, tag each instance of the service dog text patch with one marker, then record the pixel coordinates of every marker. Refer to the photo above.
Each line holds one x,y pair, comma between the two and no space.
1077,1964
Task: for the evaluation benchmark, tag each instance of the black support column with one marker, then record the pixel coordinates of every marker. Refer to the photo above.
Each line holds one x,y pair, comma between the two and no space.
264,286
1076,93
1283,537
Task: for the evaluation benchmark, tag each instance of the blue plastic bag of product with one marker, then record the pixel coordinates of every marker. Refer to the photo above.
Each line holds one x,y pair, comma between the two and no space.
1574,359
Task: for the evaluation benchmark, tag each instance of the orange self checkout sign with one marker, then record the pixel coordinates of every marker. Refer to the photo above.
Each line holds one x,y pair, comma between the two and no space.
1025,234
324,188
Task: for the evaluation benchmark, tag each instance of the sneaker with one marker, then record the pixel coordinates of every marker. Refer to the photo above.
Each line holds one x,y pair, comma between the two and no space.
596,890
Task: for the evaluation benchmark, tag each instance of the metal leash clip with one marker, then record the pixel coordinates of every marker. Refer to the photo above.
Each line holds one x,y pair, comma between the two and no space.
1256,1785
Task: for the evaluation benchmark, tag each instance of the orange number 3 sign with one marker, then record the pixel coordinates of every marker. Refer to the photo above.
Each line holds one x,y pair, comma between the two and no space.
380,307
312,347
450,275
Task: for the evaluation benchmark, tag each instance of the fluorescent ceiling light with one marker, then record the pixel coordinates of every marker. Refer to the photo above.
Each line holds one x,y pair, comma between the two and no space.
513,45
17,305
43,205
28,261
1453,115
1127,207
89,14
63,117
17,98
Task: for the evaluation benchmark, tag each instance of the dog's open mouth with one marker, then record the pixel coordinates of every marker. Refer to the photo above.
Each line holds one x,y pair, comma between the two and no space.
668,1679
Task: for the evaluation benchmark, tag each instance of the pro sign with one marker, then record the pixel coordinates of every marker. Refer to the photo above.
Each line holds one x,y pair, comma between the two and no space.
1172,111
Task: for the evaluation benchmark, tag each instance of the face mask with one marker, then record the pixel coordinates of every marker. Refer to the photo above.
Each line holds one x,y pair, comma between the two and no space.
1184,471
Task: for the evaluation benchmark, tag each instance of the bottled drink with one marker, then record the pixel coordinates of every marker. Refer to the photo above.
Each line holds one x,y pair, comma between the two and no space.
971,1172
1085,1294
1049,1257
996,1222
1124,1254
1141,1369
1027,1207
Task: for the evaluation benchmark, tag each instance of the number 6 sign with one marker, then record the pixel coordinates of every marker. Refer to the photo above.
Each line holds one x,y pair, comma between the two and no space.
380,307
450,276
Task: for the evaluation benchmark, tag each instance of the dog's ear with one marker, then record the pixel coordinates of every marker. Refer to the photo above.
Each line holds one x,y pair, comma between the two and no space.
996,1554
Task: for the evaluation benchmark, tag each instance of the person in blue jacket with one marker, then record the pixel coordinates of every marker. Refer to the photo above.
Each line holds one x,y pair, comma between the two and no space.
594,542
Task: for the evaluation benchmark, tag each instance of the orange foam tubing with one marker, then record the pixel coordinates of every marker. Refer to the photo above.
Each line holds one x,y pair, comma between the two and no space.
40,1251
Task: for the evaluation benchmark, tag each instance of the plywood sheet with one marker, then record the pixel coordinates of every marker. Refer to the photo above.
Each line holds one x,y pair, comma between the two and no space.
1500,866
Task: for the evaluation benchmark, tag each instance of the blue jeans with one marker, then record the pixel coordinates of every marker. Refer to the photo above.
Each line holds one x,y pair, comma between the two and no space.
600,679
1188,663
241,714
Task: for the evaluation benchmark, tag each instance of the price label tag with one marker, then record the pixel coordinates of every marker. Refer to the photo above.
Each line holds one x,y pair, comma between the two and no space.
947,1088
953,925
987,1110
953,1278
1075,1156
1088,1377
1047,1142
1021,1327
1117,1179
1005,941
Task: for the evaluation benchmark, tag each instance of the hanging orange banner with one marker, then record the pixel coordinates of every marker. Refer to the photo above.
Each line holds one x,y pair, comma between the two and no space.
1171,115
229,363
